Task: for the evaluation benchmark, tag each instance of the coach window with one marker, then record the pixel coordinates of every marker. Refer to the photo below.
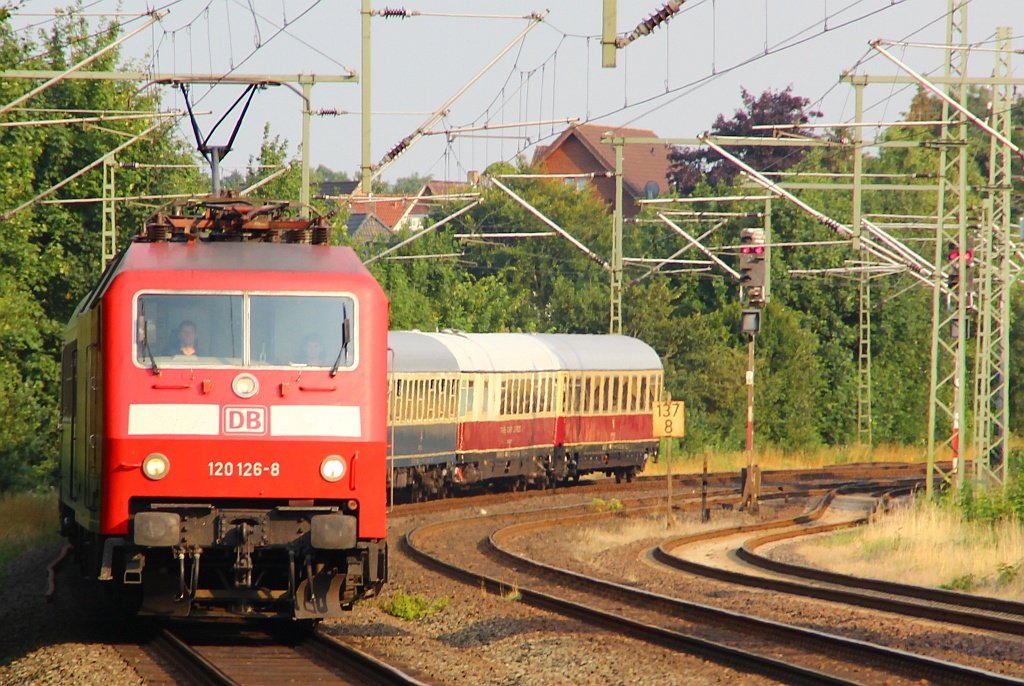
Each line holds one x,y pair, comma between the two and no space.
442,400
409,401
465,397
430,405
421,397
451,398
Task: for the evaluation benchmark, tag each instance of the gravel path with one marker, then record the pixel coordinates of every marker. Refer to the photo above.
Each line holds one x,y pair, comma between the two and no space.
52,643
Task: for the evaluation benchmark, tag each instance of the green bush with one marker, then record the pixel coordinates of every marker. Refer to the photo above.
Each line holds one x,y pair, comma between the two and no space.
411,607
965,583
1008,573
614,505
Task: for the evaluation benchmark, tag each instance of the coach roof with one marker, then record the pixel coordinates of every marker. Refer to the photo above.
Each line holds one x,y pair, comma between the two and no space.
520,352
417,352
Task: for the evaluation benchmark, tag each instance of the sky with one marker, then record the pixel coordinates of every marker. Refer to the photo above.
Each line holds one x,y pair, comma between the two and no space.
674,81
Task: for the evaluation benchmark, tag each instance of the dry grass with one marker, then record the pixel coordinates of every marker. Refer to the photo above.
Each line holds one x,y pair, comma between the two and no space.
27,521
683,463
928,545
626,530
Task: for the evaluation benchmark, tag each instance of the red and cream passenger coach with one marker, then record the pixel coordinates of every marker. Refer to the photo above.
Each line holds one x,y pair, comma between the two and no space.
517,407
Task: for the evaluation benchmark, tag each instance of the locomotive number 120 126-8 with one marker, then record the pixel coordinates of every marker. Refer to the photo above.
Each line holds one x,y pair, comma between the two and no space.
244,469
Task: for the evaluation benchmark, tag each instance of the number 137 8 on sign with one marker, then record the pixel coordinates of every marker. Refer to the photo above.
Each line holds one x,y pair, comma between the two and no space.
669,419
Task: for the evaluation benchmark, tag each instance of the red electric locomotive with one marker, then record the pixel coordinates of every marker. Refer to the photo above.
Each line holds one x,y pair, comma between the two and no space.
224,419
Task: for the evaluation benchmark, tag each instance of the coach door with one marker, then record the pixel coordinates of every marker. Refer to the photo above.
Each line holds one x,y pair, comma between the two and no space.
69,421
92,412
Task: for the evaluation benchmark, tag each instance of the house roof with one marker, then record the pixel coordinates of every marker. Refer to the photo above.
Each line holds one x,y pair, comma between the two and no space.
641,164
389,209
366,226
433,187
336,188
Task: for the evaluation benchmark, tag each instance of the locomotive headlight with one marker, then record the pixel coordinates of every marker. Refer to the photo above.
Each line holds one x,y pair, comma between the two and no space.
332,468
245,385
156,466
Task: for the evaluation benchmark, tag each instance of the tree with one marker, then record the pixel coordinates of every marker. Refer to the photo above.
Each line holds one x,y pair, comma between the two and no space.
409,185
50,252
690,165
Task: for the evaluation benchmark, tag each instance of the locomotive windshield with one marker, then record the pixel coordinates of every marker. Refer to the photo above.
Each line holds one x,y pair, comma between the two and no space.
244,330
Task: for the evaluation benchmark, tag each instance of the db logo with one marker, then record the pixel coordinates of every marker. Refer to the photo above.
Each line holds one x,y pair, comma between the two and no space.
245,420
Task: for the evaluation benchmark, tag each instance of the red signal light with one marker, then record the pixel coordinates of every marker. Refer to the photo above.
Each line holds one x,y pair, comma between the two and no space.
953,255
745,250
968,256
758,249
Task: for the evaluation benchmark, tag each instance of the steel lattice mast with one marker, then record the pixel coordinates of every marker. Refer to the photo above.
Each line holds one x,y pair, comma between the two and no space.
947,352
991,409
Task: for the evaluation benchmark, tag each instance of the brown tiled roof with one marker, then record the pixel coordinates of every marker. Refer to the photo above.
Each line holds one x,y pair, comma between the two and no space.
389,209
433,187
640,163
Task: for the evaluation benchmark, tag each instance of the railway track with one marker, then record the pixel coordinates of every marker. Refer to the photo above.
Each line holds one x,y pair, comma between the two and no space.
788,653
991,614
774,483
228,654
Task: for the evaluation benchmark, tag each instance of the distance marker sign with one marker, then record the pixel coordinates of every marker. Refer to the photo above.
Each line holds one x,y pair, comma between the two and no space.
669,418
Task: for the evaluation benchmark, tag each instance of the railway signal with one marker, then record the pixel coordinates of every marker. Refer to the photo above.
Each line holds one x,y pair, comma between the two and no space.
955,256
752,264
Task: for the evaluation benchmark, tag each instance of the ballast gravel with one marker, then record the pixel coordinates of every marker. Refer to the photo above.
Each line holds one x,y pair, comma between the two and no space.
478,639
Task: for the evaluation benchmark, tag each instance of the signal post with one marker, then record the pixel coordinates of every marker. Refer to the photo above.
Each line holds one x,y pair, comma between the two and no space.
753,273
669,422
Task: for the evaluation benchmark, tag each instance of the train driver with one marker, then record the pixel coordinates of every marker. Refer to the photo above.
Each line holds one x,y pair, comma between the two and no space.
312,353
187,337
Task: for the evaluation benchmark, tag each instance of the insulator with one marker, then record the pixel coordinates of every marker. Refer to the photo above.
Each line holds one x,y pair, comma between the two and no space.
398,149
156,233
298,236
388,12
655,20
321,235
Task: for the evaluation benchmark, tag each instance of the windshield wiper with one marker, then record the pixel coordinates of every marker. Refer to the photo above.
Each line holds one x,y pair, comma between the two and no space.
346,332
144,335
